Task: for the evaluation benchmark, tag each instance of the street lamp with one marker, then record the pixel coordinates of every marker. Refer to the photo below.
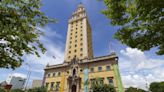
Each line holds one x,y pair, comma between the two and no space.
28,76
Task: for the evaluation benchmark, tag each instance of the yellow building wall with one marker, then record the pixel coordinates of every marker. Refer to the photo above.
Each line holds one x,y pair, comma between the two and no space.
92,75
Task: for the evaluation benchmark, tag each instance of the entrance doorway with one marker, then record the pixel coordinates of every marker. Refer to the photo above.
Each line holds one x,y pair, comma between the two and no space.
73,88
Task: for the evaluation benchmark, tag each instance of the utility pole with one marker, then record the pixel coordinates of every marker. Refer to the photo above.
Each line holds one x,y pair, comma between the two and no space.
28,76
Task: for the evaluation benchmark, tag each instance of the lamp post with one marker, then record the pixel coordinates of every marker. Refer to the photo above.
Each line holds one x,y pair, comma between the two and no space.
28,76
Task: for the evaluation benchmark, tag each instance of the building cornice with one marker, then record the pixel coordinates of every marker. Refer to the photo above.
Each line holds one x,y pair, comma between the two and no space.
84,61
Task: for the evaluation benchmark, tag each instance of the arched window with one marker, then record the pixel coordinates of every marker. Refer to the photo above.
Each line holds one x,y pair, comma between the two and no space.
74,72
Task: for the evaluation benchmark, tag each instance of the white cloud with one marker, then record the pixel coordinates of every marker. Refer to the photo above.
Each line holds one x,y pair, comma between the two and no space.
137,68
54,48
51,41
19,75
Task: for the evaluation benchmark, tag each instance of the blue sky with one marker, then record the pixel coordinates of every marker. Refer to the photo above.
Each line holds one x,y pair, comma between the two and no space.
135,65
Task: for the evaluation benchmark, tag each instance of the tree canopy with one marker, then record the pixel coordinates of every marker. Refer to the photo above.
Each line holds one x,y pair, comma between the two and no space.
157,87
132,89
98,86
19,33
140,22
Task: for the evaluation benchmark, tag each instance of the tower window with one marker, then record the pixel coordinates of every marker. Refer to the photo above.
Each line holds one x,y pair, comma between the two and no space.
71,33
81,39
76,36
69,46
76,32
81,49
81,26
69,51
69,57
99,68
75,40
81,34
81,54
70,41
75,45
75,50
81,70
70,37
81,44
76,28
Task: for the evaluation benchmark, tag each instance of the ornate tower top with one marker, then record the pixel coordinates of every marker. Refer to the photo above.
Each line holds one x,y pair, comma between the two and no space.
79,37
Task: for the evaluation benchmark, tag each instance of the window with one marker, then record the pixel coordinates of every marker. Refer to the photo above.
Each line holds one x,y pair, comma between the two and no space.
76,28
107,68
71,33
81,54
69,46
47,84
70,37
59,73
75,45
81,26
57,86
70,42
81,70
76,32
53,74
99,68
81,34
110,80
92,69
67,72
75,50
102,80
76,36
75,40
69,51
81,39
81,49
69,57
52,86
93,82
48,75
81,44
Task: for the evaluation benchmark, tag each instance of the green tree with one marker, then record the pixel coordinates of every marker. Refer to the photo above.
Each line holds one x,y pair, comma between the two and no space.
141,22
132,89
2,90
16,90
39,89
98,86
19,32
157,87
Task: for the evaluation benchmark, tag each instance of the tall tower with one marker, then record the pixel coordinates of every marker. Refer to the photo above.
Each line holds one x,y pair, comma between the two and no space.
79,36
